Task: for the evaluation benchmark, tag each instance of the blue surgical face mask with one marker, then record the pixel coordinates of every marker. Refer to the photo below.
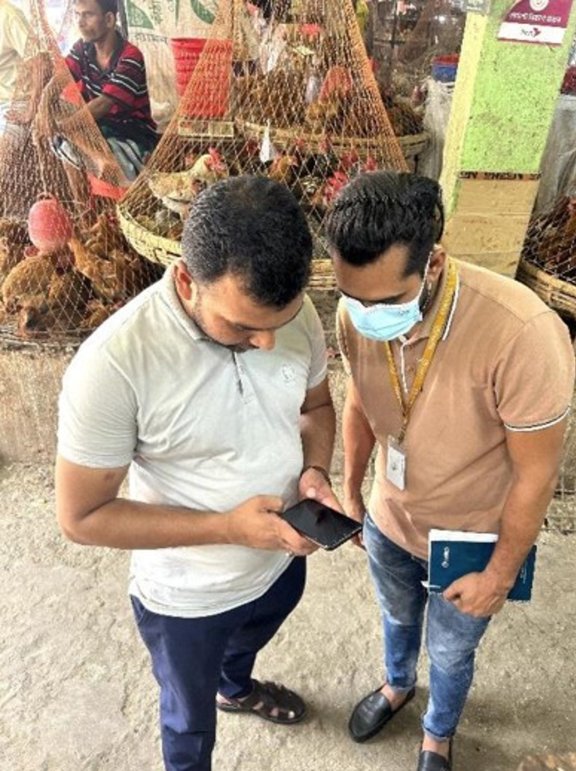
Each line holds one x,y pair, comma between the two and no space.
385,321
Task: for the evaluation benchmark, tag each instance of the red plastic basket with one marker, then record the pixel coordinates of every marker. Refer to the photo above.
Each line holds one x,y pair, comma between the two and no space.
186,52
209,96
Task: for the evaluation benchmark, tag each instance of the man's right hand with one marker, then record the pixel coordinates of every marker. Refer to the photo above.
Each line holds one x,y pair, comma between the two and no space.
257,523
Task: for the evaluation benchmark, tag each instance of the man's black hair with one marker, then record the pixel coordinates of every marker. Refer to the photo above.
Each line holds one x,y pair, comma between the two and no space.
253,228
381,209
108,6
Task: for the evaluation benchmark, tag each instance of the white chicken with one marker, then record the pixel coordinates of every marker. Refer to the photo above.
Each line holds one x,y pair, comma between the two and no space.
177,190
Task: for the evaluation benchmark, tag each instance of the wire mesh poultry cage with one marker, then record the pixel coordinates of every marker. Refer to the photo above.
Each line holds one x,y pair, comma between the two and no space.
65,264
297,103
548,266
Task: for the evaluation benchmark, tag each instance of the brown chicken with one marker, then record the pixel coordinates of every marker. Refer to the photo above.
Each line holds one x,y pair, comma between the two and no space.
60,307
283,169
96,314
325,194
10,255
119,277
30,278
104,235
37,318
69,292
101,272
14,231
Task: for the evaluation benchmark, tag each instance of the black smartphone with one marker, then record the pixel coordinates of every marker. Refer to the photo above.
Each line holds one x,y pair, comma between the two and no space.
324,526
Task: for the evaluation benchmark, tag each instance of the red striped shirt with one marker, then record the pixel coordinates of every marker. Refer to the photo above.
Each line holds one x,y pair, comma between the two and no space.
124,81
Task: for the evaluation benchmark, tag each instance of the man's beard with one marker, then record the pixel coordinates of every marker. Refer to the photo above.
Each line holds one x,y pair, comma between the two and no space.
196,316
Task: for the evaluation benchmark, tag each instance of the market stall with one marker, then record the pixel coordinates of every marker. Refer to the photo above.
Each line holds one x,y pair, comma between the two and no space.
298,103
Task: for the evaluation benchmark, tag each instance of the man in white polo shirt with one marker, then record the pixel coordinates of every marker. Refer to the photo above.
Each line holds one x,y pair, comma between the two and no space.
210,389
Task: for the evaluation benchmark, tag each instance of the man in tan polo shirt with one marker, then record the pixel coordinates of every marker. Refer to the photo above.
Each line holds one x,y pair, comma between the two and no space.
463,380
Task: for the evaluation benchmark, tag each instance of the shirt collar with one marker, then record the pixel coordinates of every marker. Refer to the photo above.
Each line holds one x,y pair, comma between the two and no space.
425,327
170,296
90,52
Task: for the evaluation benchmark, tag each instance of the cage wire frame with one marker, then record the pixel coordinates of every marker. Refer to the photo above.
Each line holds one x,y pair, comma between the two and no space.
251,110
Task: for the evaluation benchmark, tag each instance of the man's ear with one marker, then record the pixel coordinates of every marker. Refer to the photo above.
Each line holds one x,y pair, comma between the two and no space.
437,262
185,284
111,20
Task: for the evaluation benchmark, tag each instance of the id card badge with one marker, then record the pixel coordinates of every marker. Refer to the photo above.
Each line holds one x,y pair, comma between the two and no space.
396,464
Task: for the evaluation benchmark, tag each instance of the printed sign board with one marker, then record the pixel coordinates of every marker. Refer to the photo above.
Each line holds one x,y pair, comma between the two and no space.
536,21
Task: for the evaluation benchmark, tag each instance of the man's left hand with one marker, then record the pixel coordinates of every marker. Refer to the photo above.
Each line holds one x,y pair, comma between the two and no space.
313,485
477,594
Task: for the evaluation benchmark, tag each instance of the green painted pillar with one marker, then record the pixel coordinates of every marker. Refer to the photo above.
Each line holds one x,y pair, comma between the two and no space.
502,108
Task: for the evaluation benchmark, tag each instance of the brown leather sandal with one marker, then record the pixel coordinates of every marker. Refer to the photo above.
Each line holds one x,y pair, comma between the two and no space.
270,701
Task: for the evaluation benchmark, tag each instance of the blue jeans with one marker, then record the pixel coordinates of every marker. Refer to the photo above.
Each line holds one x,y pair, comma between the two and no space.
451,636
194,658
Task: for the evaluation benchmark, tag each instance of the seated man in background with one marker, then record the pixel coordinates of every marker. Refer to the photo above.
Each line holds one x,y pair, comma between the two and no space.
112,77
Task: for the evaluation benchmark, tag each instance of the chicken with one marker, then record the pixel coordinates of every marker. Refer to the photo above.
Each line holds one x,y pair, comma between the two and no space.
338,81
68,292
96,314
349,161
325,194
14,231
403,117
176,190
60,307
553,243
29,278
37,318
116,278
101,272
210,167
133,274
10,255
324,114
104,235
283,169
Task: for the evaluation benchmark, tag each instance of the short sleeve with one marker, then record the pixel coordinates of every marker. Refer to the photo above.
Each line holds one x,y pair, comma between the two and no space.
73,61
534,375
319,358
97,424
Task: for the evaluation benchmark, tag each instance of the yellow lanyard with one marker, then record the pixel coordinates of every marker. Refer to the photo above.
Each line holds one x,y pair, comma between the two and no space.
424,365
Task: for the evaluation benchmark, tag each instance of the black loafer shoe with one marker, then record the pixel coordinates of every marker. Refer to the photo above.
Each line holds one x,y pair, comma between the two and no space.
432,761
372,713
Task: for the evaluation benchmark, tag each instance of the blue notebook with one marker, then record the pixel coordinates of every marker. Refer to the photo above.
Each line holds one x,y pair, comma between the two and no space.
454,553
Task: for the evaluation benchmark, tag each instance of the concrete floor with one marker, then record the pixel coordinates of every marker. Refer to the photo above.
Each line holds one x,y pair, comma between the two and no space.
76,693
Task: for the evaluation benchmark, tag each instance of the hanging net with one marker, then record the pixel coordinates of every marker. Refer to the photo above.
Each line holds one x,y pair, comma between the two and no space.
64,262
292,98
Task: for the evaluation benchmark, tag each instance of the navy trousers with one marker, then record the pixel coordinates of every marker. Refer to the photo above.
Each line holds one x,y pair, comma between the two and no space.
193,659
